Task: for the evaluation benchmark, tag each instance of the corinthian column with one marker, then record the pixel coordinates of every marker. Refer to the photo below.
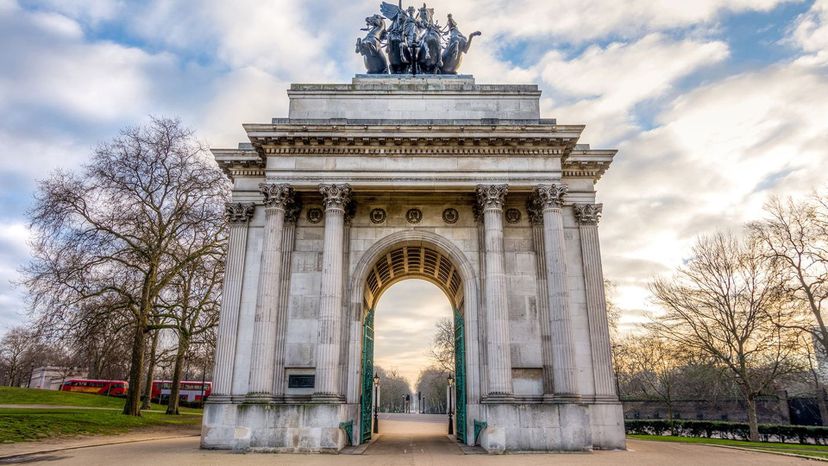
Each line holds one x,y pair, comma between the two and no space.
490,199
335,197
563,358
535,210
588,216
277,198
238,216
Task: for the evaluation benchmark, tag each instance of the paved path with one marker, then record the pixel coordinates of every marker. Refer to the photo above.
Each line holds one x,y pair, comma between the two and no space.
415,443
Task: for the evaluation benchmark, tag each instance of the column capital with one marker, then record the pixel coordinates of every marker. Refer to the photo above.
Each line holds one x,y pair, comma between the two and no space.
491,195
588,214
335,196
238,212
276,194
534,208
551,195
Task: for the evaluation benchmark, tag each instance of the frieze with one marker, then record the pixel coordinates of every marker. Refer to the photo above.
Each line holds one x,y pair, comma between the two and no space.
377,216
314,215
451,216
512,216
414,216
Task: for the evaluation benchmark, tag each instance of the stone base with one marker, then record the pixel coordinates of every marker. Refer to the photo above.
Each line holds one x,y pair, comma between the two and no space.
552,427
277,428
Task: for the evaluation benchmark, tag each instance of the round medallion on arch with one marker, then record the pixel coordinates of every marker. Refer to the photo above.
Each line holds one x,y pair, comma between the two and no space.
450,215
314,215
414,215
513,215
378,216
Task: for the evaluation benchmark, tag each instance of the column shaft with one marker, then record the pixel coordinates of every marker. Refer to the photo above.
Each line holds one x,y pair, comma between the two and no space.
336,197
588,216
563,357
491,200
238,216
536,220
277,197
288,238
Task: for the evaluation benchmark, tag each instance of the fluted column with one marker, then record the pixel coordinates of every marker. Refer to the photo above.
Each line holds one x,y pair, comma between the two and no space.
277,198
535,210
490,199
563,357
588,216
288,240
238,216
336,198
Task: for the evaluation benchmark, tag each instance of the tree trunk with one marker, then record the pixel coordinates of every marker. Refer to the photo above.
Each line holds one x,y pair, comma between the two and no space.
146,404
183,346
131,407
753,424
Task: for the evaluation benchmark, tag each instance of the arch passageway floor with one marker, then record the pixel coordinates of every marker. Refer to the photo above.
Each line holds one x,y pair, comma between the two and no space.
413,434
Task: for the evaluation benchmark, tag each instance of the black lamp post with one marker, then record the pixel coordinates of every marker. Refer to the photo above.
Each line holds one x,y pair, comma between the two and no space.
376,403
450,413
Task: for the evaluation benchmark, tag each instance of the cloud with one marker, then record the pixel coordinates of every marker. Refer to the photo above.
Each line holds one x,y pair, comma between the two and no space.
13,251
604,84
810,32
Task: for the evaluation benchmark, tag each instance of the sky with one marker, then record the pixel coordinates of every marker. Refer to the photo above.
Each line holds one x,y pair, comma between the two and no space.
714,105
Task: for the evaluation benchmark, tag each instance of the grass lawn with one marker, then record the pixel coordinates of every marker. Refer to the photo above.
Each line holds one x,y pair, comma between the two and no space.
14,395
17,425
814,451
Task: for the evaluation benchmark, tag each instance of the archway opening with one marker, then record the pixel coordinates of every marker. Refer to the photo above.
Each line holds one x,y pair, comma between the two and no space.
411,293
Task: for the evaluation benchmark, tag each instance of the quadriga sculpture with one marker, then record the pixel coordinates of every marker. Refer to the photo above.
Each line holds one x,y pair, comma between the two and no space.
457,46
371,45
414,42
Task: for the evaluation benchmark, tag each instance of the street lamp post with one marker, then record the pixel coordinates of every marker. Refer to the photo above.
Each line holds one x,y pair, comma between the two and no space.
376,403
450,412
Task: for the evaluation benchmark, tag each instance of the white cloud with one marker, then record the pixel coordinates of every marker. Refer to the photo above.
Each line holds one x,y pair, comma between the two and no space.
716,155
811,31
608,82
13,251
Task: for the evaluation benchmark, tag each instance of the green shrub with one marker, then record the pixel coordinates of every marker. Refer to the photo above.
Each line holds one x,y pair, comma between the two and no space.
728,430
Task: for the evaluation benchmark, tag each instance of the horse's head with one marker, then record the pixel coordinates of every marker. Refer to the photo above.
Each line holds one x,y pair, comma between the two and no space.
375,21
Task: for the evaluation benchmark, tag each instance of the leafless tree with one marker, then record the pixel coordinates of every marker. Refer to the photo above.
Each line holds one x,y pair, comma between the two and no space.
139,212
393,389
654,364
192,307
725,302
795,237
432,383
442,350
15,348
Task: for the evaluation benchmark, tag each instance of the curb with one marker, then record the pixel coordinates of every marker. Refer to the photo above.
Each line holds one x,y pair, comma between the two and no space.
758,450
102,444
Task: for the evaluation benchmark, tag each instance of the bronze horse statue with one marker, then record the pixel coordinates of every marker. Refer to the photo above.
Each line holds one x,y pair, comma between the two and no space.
456,47
370,47
429,54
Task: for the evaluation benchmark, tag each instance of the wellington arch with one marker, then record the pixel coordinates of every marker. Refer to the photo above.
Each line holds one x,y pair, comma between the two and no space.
397,176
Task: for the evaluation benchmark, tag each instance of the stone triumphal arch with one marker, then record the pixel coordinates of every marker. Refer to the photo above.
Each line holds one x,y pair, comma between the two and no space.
398,176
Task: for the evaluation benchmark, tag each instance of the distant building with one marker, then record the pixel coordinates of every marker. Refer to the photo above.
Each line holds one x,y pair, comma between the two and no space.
822,361
50,377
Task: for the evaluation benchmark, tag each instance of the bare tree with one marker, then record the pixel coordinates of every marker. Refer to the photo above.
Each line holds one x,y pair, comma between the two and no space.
725,302
432,383
795,237
15,347
393,389
653,364
192,305
123,229
442,350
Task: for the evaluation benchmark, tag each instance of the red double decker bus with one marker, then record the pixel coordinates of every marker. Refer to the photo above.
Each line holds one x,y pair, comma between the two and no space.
96,387
192,392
